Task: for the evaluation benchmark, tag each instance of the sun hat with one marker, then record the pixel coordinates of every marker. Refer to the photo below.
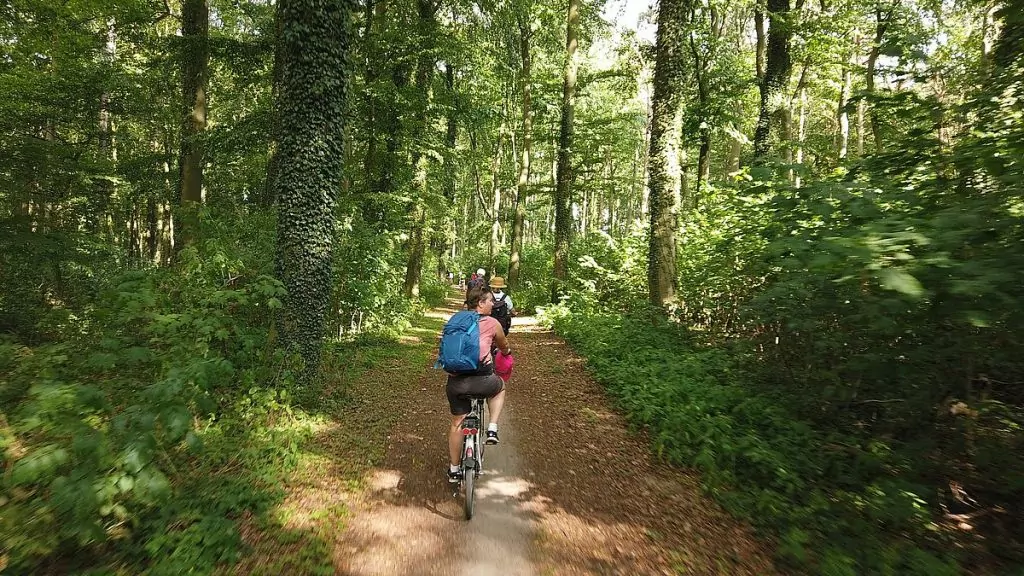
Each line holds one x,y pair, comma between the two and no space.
497,282
480,272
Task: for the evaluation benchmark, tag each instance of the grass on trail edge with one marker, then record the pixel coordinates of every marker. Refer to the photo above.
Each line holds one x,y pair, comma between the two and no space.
345,426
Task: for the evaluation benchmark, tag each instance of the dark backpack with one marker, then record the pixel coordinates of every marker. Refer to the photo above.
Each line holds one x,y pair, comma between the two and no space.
501,313
478,281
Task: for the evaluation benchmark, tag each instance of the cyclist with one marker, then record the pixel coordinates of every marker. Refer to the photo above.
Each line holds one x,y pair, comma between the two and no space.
484,382
477,279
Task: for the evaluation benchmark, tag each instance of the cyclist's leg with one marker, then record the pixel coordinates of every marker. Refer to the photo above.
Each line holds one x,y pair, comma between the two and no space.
455,440
460,406
494,404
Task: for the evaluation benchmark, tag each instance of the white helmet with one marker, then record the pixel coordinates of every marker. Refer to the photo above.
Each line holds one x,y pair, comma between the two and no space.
481,272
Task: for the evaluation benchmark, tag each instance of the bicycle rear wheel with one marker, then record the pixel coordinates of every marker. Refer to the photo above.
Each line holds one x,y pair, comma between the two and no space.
469,483
481,438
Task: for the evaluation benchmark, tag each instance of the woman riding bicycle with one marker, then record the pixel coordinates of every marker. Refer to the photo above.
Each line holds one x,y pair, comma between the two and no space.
484,382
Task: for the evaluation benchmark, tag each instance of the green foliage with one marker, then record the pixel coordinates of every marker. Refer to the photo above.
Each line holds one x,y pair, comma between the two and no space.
838,504
107,428
842,359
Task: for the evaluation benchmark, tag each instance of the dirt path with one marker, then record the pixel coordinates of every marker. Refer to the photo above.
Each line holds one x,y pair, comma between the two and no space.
568,491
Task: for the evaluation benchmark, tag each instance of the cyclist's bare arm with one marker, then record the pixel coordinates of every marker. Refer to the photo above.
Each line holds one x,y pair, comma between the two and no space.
502,342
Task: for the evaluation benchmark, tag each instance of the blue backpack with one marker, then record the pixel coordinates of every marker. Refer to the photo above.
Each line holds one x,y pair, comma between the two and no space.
460,344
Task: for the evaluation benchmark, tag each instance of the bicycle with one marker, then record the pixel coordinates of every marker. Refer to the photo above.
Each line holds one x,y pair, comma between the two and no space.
472,451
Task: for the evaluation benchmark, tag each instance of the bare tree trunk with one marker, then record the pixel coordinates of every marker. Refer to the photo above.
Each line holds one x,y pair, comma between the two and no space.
735,151
563,192
881,25
801,124
844,115
665,151
268,197
105,187
522,186
195,56
427,11
492,250
447,237
778,66
151,229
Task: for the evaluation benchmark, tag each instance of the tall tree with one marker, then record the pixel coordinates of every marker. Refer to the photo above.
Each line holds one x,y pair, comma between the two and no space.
778,65
311,105
195,59
426,64
447,237
663,168
523,181
883,19
563,184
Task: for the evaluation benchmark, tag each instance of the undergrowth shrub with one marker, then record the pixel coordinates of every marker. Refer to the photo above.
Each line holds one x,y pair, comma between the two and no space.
103,428
837,504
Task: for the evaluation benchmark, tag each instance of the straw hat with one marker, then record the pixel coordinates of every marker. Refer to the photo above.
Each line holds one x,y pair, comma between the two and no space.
497,282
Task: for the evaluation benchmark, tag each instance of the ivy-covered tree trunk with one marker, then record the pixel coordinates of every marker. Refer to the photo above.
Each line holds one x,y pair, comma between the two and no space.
563,184
311,104
195,57
778,65
522,185
424,76
664,176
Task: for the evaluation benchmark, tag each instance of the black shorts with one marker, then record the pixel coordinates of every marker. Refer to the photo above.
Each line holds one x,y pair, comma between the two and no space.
461,389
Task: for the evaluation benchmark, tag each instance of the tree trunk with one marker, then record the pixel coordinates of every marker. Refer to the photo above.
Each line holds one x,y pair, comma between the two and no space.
424,76
451,133
414,266
312,105
195,57
105,186
522,184
881,25
735,151
151,229
563,192
664,180
267,199
492,247
801,124
776,75
761,48
844,115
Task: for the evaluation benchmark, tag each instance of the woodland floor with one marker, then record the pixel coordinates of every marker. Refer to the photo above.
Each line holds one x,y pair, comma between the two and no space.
570,490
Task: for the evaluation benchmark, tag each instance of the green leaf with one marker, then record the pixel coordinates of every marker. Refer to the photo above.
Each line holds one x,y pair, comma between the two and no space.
900,281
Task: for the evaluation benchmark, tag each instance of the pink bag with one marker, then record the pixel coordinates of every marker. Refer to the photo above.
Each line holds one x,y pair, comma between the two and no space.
503,365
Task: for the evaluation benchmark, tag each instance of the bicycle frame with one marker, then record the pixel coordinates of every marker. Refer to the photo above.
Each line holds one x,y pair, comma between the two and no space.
472,447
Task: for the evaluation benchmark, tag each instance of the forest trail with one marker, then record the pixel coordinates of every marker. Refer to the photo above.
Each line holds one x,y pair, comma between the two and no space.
568,491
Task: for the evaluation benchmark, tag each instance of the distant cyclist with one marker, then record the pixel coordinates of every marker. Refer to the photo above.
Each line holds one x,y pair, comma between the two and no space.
479,279
483,382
